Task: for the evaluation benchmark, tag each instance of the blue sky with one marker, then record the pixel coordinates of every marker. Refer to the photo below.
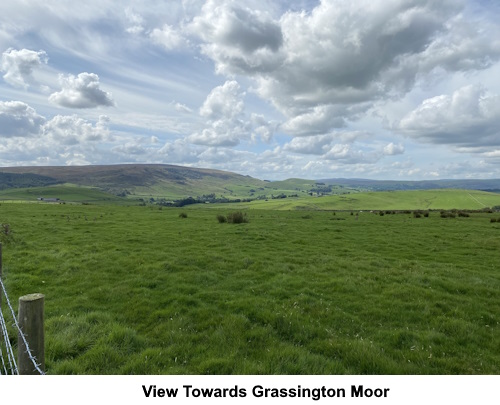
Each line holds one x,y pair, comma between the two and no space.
381,89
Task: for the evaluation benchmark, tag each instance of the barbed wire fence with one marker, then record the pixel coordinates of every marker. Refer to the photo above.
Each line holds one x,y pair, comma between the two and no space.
30,306
5,346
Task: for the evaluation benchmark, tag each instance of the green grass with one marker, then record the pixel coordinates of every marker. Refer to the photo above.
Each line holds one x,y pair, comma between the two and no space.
389,200
241,187
140,290
386,200
66,193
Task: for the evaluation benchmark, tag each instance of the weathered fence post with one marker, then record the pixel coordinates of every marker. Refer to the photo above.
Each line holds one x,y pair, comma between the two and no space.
30,319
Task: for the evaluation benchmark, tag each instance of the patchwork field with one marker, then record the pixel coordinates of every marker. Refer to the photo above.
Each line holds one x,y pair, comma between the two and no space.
142,290
386,200
63,193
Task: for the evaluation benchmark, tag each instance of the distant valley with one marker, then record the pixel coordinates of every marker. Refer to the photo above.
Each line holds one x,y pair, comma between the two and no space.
170,184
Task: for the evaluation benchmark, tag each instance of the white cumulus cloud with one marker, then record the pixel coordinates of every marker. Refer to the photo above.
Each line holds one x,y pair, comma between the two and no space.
328,66
239,39
72,130
392,149
263,128
178,151
470,118
224,101
169,37
19,65
18,119
226,125
28,138
81,91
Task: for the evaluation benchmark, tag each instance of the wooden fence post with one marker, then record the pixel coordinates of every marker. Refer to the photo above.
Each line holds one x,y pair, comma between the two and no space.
30,318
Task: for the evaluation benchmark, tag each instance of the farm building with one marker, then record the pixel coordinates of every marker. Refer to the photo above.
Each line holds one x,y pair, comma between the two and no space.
48,199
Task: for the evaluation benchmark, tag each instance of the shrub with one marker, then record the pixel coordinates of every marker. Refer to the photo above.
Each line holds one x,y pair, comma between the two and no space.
237,217
183,215
493,220
381,213
446,214
463,214
221,219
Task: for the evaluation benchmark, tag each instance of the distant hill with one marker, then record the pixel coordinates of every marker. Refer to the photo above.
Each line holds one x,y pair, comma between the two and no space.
21,180
165,183
492,185
139,180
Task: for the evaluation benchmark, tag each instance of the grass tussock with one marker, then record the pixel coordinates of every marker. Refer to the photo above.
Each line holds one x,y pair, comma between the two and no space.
448,214
221,218
237,217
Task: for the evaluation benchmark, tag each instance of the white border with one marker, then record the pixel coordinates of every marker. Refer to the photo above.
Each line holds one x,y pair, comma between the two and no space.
124,390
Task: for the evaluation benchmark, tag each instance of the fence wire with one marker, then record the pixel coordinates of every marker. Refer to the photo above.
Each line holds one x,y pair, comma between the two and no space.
4,367
5,343
20,333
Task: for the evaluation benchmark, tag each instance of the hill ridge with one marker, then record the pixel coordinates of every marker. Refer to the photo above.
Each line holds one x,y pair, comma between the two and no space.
174,182
168,181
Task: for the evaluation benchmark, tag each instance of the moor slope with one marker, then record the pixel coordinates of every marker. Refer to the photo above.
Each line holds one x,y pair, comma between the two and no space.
133,179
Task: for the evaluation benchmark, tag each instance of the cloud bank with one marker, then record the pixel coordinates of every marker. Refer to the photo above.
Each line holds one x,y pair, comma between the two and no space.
470,117
332,64
325,88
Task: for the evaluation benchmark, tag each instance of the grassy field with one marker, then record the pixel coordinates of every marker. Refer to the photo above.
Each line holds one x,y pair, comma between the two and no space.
65,193
141,290
347,199
386,200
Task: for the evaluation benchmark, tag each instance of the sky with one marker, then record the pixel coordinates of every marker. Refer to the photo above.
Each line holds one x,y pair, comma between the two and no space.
377,89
